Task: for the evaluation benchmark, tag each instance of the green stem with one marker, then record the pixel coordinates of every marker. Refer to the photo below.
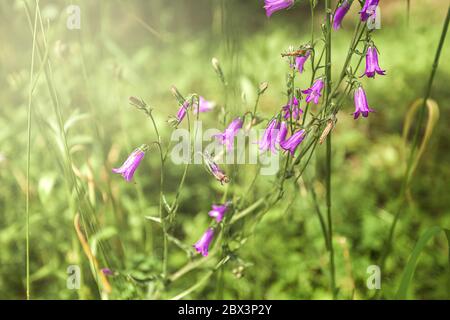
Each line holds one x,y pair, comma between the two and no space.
328,151
30,97
161,195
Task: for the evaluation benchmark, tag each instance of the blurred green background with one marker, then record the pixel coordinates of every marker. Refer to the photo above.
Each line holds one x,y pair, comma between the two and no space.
141,48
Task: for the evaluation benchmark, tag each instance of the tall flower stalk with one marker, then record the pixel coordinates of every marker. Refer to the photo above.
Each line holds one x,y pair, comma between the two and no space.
328,150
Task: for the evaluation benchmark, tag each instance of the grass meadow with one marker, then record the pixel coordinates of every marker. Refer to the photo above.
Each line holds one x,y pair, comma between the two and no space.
66,121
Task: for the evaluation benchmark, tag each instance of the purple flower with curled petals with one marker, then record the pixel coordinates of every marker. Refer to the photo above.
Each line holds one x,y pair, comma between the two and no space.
339,14
218,211
361,105
314,93
369,9
202,245
227,137
272,6
372,66
130,165
293,141
300,61
203,106
292,106
269,138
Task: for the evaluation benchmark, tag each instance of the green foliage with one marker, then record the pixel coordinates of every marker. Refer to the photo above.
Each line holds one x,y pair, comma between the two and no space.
115,56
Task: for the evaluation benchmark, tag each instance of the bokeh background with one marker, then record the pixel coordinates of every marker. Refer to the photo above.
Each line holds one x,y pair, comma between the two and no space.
141,48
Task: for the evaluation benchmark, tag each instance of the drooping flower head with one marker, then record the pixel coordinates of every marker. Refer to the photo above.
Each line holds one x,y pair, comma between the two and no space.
227,137
314,93
300,61
340,13
368,9
361,105
292,106
214,169
203,105
293,141
130,165
372,65
218,211
202,245
269,138
272,6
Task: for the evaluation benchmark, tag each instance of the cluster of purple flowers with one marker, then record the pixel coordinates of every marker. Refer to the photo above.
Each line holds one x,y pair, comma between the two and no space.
275,135
372,65
217,212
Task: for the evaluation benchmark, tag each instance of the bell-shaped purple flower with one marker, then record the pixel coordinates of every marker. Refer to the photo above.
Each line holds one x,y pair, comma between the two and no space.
361,105
269,138
202,245
272,6
292,106
203,106
227,137
300,61
218,211
182,112
293,141
372,65
130,165
368,9
215,169
340,13
314,93
282,133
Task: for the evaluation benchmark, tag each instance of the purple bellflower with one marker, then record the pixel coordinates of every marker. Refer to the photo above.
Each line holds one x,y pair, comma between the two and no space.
130,165
214,169
202,245
282,133
313,93
300,61
218,211
227,137
361,105
203,106
372,66
293,141
292,106
269,138
340,13
182,112
272,6
368,9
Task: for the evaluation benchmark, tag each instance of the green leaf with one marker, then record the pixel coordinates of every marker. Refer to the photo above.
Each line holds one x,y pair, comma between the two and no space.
433,117
408,273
